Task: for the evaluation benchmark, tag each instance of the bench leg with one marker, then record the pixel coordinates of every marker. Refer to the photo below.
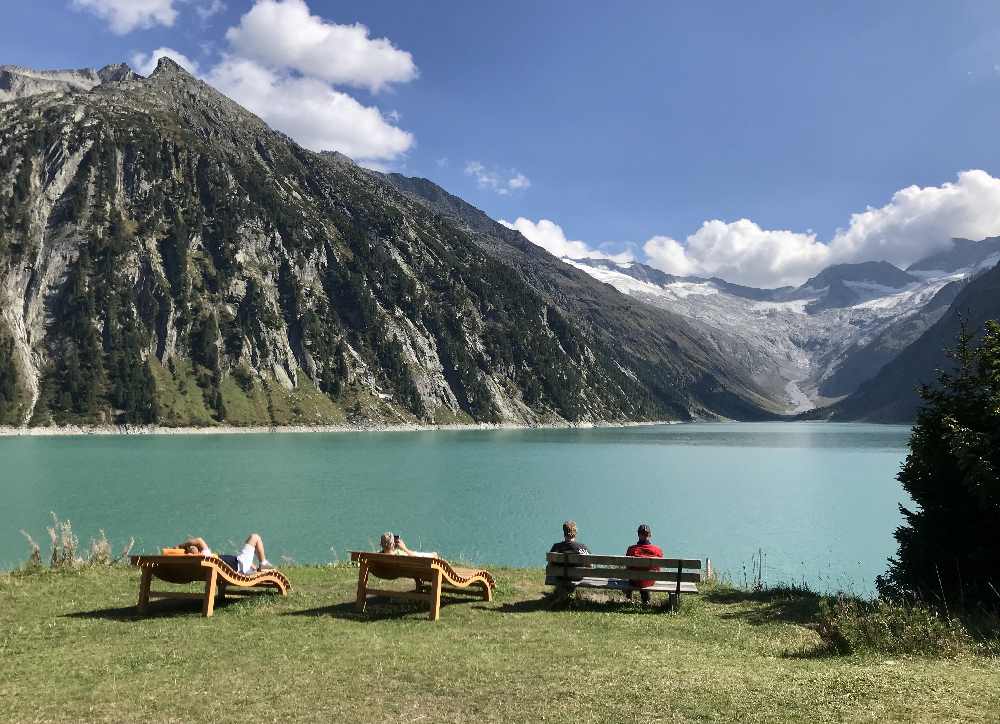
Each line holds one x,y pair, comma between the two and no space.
362,597
674,602
208,604
144,585
435,613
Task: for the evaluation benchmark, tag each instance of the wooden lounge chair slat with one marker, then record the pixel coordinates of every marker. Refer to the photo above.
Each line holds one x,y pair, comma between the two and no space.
215,574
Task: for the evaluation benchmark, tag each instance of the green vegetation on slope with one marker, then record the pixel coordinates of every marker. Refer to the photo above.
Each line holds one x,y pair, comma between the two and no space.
71,648
948,553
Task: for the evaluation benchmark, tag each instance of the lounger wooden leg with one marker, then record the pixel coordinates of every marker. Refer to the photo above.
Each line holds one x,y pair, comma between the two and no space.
362,598
144,585
487,593
208,604
436,596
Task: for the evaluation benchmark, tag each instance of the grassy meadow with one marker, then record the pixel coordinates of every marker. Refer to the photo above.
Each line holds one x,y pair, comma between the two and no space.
73,649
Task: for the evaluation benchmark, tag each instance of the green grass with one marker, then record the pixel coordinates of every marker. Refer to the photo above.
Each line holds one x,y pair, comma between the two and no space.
72,649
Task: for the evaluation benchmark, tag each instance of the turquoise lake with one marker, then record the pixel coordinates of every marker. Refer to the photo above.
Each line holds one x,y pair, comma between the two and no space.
818,499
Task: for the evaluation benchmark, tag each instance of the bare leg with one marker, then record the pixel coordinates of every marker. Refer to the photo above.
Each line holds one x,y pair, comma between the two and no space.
258,545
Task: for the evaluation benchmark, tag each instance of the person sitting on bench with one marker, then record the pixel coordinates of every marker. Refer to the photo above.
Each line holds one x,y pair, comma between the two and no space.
242,562
569,543
643,549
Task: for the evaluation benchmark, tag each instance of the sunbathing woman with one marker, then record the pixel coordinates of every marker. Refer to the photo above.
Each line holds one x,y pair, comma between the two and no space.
394,545
242,562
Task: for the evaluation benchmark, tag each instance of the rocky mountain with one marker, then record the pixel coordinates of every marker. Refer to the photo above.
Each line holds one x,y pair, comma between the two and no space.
963,254
891,395
815,343
165,257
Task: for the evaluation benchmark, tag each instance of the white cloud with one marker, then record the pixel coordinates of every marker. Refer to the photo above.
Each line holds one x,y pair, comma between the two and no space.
518,181
917,221
493,180
920,221
282,91
145,63
284,34
551,237
310,111
741,252
124,16
206,10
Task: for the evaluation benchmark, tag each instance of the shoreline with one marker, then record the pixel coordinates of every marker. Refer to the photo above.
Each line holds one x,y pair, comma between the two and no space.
108,430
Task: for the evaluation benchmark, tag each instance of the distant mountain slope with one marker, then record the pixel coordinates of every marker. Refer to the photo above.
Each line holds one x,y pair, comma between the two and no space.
165,257
666,345
803,344
891,395
963,254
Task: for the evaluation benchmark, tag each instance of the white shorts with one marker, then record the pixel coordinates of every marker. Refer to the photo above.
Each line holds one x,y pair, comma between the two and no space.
245,559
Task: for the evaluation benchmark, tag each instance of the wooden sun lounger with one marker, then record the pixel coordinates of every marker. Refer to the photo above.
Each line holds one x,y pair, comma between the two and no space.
215,573
431,575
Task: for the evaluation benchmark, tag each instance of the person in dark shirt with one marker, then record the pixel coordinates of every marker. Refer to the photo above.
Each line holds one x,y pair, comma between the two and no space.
644,548
569,543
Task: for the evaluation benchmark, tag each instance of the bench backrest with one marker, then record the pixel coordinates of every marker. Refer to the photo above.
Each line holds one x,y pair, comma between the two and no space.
573,566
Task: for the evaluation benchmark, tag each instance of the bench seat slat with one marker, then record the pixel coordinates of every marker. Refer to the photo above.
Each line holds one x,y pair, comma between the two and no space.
634,561
616,584
671,575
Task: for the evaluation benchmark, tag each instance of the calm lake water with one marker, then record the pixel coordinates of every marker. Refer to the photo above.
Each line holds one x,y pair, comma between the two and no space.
819,499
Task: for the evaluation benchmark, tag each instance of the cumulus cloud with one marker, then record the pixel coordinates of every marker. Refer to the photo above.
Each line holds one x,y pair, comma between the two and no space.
309,110
741,252
277,82
208,8
145,63
285,34
916,222
124,16
494,180
551,237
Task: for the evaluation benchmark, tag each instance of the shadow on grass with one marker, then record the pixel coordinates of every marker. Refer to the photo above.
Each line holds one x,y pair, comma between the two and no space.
591,605
377,609
771,605
163,608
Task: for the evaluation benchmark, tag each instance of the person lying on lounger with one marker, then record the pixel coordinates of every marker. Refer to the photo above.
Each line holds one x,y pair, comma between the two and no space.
242,562
394,545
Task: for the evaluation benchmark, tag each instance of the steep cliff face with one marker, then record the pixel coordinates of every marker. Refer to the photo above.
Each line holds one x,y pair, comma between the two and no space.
891,396
167,258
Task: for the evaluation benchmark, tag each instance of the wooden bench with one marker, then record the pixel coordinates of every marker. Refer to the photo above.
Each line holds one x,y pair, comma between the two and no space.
570,571
215,573
431,576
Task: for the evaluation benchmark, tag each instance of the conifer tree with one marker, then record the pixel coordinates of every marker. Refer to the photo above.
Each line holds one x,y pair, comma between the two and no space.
948,548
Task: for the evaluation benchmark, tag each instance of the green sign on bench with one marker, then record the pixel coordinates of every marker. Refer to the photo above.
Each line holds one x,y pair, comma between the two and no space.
575,570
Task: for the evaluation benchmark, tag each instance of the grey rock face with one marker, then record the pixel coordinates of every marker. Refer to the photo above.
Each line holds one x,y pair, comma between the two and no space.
166,257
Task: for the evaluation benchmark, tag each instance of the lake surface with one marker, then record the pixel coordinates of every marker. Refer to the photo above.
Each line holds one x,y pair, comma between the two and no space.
819,499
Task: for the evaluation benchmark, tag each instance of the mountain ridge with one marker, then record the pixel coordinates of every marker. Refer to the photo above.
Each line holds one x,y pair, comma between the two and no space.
166,257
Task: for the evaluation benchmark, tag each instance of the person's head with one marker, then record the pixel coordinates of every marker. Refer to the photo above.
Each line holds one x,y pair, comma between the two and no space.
569,530
190,547
645,533
388,542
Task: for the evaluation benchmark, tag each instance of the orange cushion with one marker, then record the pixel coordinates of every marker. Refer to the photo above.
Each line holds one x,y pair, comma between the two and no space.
174,552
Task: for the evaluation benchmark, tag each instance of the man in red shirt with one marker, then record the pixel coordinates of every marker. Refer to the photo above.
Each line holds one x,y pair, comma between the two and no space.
643,549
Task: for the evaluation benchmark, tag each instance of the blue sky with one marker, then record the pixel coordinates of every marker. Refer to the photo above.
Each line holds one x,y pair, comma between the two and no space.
632,127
